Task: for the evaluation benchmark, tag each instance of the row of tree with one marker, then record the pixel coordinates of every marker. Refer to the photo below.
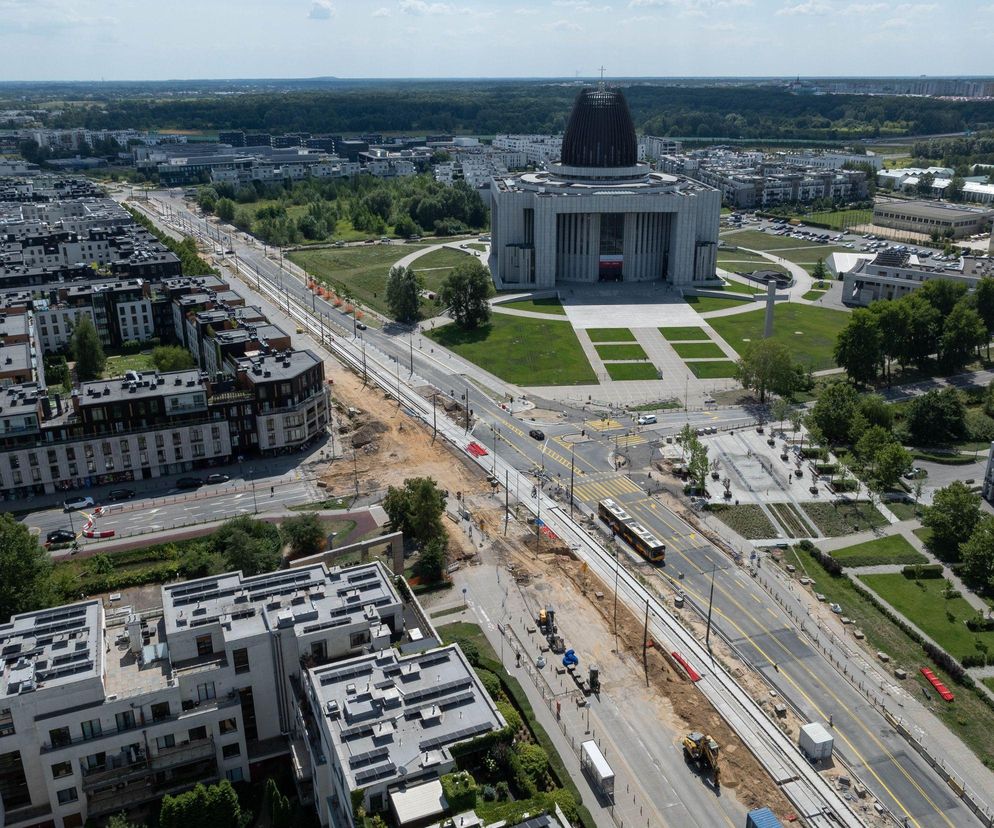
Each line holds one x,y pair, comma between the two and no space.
464,292
962,533
938,323
417,509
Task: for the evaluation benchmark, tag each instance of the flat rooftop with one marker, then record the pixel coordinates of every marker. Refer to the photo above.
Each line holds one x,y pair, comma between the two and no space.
933,210
147,385
312,597
388,716
281,366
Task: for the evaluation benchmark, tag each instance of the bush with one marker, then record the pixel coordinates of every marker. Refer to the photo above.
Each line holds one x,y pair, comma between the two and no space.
511,716
489,793
490,682
534,763
919,571
460,791
503,791
979,426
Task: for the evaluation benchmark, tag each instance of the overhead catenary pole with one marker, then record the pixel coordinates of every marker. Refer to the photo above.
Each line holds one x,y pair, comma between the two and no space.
645,644
572,466
434,415
707,636
617,564
507,498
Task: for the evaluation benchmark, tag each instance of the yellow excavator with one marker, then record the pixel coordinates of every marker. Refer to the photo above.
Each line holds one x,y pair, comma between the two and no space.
703,751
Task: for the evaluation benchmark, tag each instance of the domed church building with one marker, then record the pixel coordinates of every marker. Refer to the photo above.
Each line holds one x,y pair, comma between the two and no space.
598,215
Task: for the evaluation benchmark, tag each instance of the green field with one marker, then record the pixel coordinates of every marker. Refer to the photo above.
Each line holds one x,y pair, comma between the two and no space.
902,510
699,350
477,246
705,304
687,333
715,369
844,519
610,335
743,287
924,603
620,352
893,549
521,350
813,346
840,219
740,255
748,267
118,366
622,371
444,258
547,305
361,271
811,295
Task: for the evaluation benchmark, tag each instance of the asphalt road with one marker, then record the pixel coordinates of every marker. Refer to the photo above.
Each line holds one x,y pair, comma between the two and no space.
744,612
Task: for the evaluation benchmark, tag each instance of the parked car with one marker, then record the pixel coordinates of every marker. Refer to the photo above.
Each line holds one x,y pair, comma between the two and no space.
60,536
120,494
189,483
217,477
914,473
536,434
361,325
79,502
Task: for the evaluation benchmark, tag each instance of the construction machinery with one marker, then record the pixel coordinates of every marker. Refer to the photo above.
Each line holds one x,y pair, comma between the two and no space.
703,751
546,621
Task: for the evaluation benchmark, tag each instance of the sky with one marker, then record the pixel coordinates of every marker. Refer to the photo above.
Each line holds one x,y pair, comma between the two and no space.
145,40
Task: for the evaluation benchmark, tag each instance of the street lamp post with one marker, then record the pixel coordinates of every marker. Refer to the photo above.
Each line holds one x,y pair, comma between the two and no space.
572,467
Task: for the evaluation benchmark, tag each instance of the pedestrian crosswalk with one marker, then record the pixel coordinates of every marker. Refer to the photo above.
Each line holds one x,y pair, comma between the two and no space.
603,425
607,488
630,440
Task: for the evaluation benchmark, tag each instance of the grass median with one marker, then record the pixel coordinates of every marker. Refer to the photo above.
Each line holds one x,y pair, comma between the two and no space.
893,549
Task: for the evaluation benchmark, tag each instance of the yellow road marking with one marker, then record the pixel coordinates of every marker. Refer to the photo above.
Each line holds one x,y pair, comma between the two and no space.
603,425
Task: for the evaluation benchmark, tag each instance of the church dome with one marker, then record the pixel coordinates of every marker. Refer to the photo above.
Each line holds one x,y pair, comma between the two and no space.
600,132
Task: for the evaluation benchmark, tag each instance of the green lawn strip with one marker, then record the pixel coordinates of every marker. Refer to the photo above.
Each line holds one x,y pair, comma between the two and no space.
341,529
448,611
735,286
547,305
924,534
943,459
989,682
685,333
844,519
969,717
811,295
477,246
444,257
792,520
893,549
840,219
331,503
901,509
610,335
521,350
627,371
361,271
459,632
713,369
925,604
813,347
620,352
736,267
706,304
749,520
702,350
807,257
118,366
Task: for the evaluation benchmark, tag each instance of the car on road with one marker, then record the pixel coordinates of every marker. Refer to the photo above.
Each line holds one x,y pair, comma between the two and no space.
646,419
914,473
79,502
361,325
536,434
189,483
60,536
120,494
217,477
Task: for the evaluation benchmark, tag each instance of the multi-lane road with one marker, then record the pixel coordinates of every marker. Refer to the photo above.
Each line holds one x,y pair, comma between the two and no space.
745,615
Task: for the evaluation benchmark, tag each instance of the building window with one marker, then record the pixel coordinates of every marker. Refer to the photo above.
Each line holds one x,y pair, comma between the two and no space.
228,726
198,734
96,761
59,737
205,645
359,639
205,692
163,742
231,751
91,729
241,660
234,775
67,795
61,769
160,711
125,720
6,722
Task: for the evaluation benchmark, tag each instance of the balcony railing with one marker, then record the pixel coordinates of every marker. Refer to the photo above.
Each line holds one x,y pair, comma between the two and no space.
164,759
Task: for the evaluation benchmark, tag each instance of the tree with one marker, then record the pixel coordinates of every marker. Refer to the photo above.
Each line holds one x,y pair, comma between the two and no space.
835,410
430,566
952,517
26,569
121,821
819,272
921,339
983,297
251,545
204,807
304,534
892,322
962,334
890,462
207,199
870,442
225,209
858,346
403,294
766,366
465,292
278,805
942,294
954,189
876,411
924,185
781,410
416,509
697,463
86,350
978,554
936,418
172,358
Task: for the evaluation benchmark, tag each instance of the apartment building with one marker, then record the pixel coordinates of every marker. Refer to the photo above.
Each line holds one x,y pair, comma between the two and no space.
928,217
538,150
652,148
893,274
108,710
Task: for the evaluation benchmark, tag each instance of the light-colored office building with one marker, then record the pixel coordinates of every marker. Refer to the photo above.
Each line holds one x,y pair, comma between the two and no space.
894,274
928,216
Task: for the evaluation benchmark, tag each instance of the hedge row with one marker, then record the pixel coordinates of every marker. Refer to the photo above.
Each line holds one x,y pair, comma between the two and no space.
919,571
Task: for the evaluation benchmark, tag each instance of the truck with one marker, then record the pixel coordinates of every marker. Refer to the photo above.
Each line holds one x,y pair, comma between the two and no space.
595,766
815,742
762,818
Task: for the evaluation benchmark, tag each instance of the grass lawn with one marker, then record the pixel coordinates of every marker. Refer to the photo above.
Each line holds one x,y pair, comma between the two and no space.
118,366
361,271
704,304
743,287
811,295
547,305
925,605
736,266
840,219
989,682
807,256
330,504
610,335
521,350
924,533
749,520
740,255
703,350
713,369
969,717
902,510
812,347
687,333
477,246
845,519
626,371
443,259
341,529
621,352
892,549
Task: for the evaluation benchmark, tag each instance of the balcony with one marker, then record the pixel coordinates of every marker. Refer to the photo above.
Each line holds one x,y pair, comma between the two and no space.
28,815
165,759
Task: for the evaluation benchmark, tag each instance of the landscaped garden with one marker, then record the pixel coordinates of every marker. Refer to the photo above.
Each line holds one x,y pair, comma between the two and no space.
749,520
837,519
701,350
628,371
633,351
610,335
713,369
686,333
548,304
892,549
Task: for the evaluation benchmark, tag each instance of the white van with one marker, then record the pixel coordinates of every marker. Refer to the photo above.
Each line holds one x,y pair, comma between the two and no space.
646,419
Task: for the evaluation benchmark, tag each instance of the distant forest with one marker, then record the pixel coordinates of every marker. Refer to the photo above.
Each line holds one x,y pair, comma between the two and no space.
474,107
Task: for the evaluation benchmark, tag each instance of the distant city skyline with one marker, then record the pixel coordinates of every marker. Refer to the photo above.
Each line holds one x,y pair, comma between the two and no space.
121,40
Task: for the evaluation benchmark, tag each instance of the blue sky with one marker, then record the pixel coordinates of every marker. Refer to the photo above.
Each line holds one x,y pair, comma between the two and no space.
141,39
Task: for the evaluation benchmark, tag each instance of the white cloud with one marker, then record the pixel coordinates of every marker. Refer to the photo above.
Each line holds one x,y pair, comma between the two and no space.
421,7
563,26
807,7
381,12
865,8
322,10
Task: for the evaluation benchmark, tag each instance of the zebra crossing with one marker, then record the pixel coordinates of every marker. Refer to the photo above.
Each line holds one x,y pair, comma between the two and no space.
606,488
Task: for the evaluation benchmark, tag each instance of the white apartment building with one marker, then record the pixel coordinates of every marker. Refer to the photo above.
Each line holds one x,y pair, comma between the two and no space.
538,150
652,148
892,275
